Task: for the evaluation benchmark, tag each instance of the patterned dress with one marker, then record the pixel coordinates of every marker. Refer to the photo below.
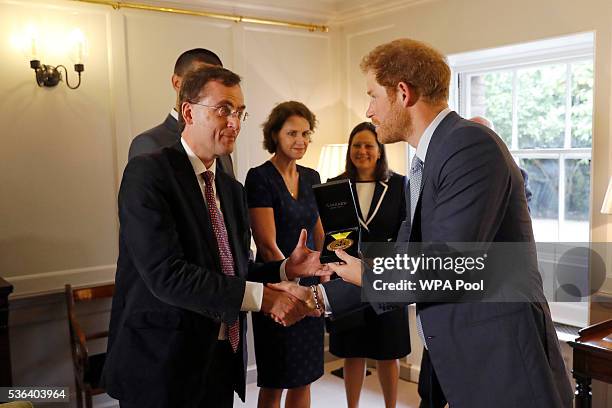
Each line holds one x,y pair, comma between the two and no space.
287,357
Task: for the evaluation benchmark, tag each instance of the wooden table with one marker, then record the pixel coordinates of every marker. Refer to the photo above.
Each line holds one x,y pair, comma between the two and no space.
592,360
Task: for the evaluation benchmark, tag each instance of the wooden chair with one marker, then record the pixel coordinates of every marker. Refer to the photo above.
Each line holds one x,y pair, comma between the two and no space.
87,368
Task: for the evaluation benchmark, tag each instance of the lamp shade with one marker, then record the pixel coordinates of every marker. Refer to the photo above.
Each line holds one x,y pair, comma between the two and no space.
332,160
606,208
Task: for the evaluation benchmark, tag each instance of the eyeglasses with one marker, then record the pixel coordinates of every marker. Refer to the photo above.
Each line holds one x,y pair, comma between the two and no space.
225,111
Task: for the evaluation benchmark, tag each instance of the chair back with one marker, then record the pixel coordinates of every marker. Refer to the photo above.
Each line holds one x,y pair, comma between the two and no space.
81,358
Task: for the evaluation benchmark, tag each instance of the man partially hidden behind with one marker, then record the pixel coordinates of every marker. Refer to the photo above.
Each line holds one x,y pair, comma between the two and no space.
178,323
167,133
486,122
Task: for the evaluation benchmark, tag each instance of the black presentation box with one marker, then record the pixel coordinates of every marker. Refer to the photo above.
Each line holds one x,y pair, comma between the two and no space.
339,218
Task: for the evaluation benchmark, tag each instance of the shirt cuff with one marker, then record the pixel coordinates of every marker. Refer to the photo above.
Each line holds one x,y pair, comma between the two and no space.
253,296
283,274
328,310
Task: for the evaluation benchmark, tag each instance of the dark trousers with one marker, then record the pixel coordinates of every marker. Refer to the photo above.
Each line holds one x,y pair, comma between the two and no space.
429,388
219,385
219,388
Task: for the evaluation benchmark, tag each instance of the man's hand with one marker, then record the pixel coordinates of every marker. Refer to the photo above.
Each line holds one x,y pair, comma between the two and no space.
350,271
283,307
303,293
304,262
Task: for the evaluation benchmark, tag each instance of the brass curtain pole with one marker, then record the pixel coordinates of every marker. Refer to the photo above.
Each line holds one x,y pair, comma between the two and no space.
236,18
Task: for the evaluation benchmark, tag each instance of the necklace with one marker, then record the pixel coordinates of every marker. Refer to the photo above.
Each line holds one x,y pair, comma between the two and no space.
288,183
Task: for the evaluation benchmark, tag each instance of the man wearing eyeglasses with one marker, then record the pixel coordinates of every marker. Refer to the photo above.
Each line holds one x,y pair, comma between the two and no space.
184,280
167,132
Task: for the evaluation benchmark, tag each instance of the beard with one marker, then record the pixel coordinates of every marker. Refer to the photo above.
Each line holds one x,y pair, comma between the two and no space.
397,127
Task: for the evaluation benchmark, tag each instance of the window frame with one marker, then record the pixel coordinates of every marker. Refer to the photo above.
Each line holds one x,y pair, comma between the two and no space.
567,49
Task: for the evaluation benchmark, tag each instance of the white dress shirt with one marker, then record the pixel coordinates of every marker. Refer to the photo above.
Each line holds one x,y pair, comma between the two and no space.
253,291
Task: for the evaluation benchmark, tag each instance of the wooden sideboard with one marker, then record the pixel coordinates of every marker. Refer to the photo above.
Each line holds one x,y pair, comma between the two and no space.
592,352
5,351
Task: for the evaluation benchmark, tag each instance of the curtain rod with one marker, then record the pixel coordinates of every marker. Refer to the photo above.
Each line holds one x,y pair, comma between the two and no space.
235,18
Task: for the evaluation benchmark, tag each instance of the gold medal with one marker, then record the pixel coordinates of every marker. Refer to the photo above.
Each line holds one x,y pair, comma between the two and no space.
341,241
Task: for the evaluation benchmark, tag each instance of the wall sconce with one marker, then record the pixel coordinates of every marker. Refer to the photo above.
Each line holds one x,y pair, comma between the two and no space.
49,75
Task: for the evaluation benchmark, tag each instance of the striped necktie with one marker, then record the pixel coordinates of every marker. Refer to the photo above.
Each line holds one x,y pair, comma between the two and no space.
416,174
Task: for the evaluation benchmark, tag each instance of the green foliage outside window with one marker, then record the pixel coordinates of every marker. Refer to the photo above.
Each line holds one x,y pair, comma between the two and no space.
541,124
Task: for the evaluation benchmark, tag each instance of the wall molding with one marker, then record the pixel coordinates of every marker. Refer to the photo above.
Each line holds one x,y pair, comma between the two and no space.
53,282
259,9
374,9
228,16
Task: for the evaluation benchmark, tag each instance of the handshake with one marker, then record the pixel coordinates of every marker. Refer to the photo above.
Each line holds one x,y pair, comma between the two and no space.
287,302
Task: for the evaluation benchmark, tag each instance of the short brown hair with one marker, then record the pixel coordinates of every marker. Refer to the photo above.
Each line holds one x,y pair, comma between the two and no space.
279,116
413,62
195,81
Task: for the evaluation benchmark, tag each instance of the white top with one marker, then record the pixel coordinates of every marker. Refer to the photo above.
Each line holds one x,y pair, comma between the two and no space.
365,192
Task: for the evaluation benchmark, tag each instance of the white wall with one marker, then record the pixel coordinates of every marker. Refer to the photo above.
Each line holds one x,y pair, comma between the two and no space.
57,173
64,151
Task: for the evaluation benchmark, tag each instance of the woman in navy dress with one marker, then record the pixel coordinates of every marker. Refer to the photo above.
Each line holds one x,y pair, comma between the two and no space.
281,203
381,207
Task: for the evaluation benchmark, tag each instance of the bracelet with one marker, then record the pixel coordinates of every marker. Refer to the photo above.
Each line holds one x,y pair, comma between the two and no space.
315,296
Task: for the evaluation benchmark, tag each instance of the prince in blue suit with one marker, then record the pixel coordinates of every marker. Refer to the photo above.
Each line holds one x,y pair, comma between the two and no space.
464,187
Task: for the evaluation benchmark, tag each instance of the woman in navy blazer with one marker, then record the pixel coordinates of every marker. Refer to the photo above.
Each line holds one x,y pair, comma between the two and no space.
379,195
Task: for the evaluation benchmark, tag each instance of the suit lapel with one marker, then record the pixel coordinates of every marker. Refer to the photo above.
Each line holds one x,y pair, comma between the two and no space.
443,128
380,190
356,196
189,184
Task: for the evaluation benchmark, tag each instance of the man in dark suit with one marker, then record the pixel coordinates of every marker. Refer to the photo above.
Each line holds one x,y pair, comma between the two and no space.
184,279
167,133
464,187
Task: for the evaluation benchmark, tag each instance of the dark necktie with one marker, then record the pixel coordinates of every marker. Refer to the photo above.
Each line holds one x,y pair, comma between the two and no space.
225,253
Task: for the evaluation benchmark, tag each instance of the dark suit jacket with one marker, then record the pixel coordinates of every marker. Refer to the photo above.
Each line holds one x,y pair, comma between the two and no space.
528,193
484,354
166,134
171,295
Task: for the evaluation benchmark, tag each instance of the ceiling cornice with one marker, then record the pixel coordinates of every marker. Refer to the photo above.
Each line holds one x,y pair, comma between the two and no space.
332,13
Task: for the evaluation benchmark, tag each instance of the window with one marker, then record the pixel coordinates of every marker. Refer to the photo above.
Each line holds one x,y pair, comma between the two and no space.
539,97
